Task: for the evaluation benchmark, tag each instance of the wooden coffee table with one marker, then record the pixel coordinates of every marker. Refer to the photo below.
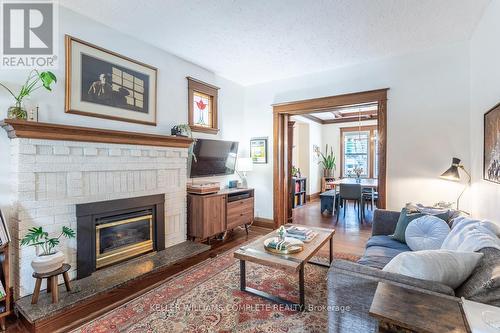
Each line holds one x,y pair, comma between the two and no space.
292,263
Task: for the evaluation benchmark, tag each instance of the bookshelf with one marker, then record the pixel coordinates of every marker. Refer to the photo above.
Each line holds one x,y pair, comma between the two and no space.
5,302
326,183
299,186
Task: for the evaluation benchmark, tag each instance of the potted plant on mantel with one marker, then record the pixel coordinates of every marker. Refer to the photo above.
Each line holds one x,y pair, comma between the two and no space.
35,80
185,130
328,161
47,259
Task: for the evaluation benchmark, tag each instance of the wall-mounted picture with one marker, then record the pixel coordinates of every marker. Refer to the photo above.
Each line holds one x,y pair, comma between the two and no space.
101,83
492,145
258,150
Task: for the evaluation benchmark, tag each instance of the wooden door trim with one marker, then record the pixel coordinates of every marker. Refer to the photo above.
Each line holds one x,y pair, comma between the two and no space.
281,113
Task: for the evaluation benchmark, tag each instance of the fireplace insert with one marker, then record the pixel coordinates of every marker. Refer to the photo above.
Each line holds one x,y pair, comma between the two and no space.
109,232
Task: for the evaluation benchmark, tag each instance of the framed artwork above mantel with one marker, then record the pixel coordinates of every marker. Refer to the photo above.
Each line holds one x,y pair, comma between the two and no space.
202,106
102,83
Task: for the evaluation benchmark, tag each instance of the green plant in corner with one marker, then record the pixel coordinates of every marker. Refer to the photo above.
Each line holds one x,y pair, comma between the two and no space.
328,161
35,81
40,239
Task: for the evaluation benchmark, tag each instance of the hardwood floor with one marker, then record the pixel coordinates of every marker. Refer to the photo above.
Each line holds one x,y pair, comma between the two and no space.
350,235
350,238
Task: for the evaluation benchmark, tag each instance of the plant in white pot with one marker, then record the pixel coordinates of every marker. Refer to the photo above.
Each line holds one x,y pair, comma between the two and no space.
48,258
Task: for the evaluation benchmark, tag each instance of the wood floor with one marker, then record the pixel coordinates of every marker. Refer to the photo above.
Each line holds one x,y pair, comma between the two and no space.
350,237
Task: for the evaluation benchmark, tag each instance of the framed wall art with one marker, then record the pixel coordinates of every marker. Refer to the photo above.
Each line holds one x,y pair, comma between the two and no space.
258,150
104,84
492,145
202,106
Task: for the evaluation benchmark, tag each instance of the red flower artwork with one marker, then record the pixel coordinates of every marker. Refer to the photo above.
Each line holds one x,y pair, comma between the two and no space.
201,105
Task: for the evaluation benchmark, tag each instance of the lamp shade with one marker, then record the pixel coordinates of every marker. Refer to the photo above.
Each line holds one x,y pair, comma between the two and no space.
244,164
452,172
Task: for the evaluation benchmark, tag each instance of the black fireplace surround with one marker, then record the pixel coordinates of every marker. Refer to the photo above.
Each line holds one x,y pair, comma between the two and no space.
89,214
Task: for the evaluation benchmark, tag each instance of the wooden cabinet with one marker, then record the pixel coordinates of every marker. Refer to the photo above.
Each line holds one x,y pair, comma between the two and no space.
213,214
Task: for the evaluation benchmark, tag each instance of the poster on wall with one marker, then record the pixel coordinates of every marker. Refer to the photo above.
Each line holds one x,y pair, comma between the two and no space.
492,145
258,150
104,84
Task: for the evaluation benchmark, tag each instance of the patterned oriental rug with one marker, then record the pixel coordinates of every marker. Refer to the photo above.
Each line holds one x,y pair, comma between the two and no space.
206,298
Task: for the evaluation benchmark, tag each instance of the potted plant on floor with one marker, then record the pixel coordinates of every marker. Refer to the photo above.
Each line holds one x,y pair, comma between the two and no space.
48,258
328,161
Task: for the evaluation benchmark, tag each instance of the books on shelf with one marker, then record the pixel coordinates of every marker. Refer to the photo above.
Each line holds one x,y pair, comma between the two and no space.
2,290
4,230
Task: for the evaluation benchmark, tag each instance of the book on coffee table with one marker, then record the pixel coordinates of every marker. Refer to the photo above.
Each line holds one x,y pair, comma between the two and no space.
301,233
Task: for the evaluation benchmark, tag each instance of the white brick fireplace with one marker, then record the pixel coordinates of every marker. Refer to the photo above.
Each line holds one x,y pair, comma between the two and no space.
51,176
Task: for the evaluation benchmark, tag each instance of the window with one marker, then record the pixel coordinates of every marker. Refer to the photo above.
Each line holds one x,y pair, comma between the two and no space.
202,106
359,150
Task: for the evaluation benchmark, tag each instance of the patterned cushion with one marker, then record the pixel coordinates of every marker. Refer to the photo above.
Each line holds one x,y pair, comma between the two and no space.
483,285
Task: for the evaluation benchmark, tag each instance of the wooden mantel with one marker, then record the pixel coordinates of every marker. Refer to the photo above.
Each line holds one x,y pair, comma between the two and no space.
34,130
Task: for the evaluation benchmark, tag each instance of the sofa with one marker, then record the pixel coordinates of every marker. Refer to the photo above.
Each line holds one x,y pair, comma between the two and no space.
352,285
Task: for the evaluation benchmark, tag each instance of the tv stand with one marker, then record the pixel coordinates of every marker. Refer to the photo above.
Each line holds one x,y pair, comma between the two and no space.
213,214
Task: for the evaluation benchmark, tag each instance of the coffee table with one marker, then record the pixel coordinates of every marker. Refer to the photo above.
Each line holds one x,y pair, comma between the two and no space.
292,263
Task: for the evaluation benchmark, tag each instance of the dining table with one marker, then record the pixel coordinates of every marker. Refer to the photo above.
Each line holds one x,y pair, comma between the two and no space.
369,183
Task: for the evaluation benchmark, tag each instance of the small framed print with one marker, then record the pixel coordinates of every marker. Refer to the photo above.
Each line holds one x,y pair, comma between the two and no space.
258,150
202,106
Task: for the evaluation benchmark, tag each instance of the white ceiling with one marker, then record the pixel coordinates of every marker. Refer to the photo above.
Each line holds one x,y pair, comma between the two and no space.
350,112
252,41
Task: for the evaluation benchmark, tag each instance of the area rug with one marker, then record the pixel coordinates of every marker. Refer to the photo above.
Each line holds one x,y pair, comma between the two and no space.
206,298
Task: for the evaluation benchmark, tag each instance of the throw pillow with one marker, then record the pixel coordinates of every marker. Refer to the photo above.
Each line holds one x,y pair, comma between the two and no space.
450,268
426,233
472,235
405,218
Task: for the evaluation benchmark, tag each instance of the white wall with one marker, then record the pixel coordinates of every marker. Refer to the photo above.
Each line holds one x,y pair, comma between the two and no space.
330,134
172,88
301,149
485,93
428,104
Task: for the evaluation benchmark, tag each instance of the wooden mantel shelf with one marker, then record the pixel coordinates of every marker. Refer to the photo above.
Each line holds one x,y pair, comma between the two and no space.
34,130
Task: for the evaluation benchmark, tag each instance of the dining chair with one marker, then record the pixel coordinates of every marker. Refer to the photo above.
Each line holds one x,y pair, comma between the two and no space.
351,192
370,195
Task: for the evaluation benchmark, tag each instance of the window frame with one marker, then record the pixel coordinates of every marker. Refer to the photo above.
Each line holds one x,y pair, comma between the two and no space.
203,88
371,147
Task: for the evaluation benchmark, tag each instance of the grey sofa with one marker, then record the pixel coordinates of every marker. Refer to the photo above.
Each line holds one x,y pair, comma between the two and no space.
351,286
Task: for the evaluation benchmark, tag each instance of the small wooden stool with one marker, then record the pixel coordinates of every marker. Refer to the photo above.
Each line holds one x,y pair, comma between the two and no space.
51,283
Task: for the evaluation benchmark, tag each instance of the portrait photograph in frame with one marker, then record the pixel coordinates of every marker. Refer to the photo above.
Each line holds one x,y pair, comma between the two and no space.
101,83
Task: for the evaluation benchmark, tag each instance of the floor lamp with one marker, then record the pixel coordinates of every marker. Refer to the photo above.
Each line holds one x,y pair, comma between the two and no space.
453,174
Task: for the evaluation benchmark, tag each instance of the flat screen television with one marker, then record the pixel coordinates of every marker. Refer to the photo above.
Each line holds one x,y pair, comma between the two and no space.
213,158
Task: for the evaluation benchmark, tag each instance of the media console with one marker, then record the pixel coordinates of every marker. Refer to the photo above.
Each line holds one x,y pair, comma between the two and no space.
213,214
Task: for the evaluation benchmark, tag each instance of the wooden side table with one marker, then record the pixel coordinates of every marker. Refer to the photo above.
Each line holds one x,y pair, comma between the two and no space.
51,283
400,309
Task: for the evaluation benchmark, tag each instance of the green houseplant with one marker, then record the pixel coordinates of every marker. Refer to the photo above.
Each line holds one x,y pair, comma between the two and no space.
327,161
48,258
185,130
35,81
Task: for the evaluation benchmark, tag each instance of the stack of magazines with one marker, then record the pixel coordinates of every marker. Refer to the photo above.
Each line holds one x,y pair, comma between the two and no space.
304,234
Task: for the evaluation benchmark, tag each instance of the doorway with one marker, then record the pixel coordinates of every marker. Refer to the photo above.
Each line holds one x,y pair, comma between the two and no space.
282,116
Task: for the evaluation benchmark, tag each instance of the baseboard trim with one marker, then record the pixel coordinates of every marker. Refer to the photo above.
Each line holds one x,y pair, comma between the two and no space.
313,196
263,223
